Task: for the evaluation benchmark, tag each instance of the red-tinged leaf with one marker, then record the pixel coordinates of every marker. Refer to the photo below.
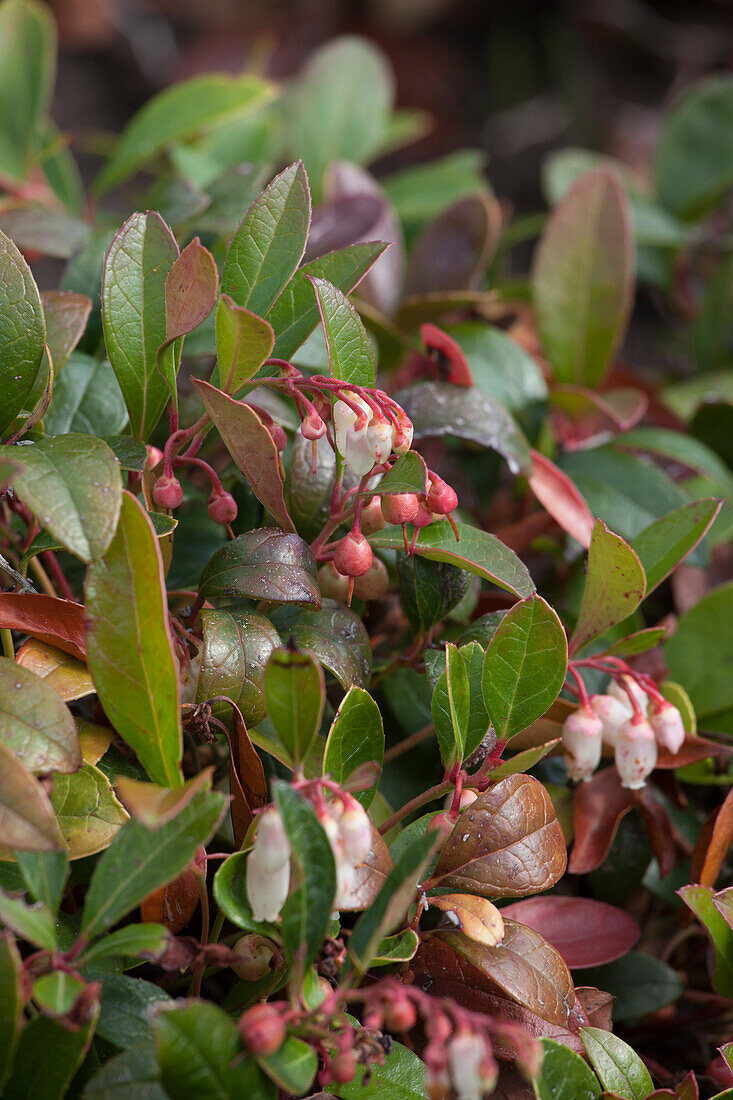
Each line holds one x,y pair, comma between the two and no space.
585,932
247,781
58,622
693,749
477,918
659,830
583,418
560,497
597,1005
174,904
719,844
155,806
598,807
454,250
66,316
614,587
243,342
506,844
252,448
190,290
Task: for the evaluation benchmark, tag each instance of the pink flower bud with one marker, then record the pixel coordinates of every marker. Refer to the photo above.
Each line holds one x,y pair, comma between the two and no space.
333,585
618,692
353,555
167,492
399,1013
636,753
374,583
313,426
372,518
262,1030
398,508
668,726
222,508
581,738
442,499
613,713
279,436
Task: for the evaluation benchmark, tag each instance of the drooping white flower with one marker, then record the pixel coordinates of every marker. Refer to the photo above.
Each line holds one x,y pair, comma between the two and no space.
668,726
636,752
581,738
613,713
349,831
466,1052
353,441
268,867
618,691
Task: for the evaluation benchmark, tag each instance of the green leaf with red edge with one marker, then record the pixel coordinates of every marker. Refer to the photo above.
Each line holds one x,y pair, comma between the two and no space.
524,667
66,316
615,586
295,693
408,475
619,1067
34,923
665,543
350,351
243,342
583,278
136,268
35,723
522,761
130,647
252,448
638,642
295,313
22,333
268,246
700,899
27,820
190,295
477,552
450,707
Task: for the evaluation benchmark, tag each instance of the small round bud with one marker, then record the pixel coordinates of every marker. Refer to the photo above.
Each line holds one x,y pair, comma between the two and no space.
353,555
253,957
442,498
442,823
343,1067
222,508
333,585
668,726
262,1030
372,518
313,426
167,492
374,583
636,752
400,1014
398,508
424,516
581,738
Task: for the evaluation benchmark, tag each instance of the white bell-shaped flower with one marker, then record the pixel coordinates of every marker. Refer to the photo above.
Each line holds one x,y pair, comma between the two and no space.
466,1052
355,832
636,752
668,726
268,867
271,843
381,436
618,691
613,713
353,442
582,742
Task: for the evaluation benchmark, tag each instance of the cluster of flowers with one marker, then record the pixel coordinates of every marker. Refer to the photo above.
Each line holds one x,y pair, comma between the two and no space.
348,829
631,718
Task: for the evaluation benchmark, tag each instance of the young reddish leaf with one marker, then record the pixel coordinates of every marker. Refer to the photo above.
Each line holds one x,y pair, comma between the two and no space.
252,448
615,586
350,351
22,332
559,496
693,750
524,667
61,623
477,918
243,342
35,723
454,250
719,843
597,1006
583,278
190,290
583,418
66,316
506,844
68,676
598,807
27,820
585,932
264,564
130,646
268,246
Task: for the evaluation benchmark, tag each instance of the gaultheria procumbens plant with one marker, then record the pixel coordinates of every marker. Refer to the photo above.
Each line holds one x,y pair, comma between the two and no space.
272,683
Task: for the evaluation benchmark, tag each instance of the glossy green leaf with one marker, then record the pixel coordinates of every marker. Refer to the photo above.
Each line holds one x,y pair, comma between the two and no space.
499,366
525,666
133,313
230,894
665,543
134,941
27,820
408,475
11,1002
243,342
125,1010
22,333
619,1068
295,314
398,948
177,114
251,446
268,246
639,984
615,585
136,1068
34,923
429,590
335,635
87,398
582,280
564,1075
55,993
129,645
523,761
236,648
72,485
27,70
700,900
350,351
47,1058
293,1067
87,811
295,693
131,453
44,873
699,655
264,564
139,860
450,707
66,316
356,737
307,911
35,723
478,552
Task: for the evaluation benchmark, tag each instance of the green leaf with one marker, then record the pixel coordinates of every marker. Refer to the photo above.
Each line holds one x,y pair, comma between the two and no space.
639,984
422,191
27,819
139,860
131,453
665,543
450,707
22,332
429,590
129,645
11,1002
356,737
392,901
47,1058
307,911
200,1054
72,485
350,351
44,873
402,1077
295,693
398,948
619,1068
178,114
264,564
700,900
408,475
55,993
335,635
477,551
236,648
340,107
137,265
582,280
134,941
230,894
293,1067
564,1076
87,398
693,164
499,366
87,811
615,586
34,923
27,70
35,723
125,1010
524,667
295,314
135,1069
699,655
243,342
251,446
268,246
66,316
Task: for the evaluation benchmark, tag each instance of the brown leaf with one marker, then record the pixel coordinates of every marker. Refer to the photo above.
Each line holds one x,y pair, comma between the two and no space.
66,316
718,845
65,674
370,875
58,622
582,418
598,807
693,749
173,905
508,843
247,782
154,806
597,1006
453,250
584,931
476,917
